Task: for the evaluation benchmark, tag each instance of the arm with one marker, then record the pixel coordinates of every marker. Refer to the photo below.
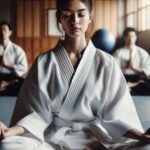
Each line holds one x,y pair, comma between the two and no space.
136,69
5,64
19,64
133,134
119,111
32,106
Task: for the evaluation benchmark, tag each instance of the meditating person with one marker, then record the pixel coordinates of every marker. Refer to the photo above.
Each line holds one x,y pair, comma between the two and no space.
13,62
135,63
75,96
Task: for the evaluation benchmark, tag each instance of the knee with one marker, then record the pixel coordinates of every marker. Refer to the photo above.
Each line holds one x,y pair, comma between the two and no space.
145,147
8,143
18,143
3,144
142,146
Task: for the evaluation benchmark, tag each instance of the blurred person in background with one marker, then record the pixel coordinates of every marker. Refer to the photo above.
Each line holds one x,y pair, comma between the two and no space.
13,62
135,63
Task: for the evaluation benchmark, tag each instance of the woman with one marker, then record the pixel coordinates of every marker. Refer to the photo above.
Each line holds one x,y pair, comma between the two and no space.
74,96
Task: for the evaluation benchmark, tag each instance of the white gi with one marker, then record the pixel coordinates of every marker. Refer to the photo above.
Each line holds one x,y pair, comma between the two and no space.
139,57
62,106
15,57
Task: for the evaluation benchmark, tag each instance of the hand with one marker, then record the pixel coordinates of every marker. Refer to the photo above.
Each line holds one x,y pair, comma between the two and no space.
3,131
6,64
136,69
135,134
124,69
133,84
7,132
146,136
5,61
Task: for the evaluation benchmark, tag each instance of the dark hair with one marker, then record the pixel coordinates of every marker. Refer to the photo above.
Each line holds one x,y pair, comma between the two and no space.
127,30
5,23
60,5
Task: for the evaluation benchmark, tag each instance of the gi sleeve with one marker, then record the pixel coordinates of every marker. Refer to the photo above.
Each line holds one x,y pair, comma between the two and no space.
20,65
32,110
119,113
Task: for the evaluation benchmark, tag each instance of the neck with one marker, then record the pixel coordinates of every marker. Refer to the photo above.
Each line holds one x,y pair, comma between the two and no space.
4,43
74,45
131,47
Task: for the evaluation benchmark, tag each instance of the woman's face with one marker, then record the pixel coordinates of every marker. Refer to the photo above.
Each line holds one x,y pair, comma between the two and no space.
75,18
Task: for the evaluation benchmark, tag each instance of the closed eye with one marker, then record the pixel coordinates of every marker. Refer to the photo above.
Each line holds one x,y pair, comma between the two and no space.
66,13
81,14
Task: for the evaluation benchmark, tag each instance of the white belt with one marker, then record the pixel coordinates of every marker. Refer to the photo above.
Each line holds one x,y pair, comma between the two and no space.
64,125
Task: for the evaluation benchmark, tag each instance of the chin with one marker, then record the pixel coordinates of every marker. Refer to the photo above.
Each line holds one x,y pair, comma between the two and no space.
75,35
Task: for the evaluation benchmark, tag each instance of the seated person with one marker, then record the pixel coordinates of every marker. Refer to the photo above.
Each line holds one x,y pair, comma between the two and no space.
13,62
135,63
75,96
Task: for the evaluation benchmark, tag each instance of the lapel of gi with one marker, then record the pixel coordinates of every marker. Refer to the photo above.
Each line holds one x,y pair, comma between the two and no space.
65,65
78,80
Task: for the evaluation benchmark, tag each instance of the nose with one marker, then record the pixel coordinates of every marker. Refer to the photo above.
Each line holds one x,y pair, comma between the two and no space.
75,19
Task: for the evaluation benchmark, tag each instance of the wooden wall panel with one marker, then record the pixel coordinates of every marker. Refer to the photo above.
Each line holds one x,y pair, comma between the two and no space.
19,19
105,15
113,17
36,18
28,18
143,40
20,41
53,41
44,44
98,14
28,48
36,46
32,23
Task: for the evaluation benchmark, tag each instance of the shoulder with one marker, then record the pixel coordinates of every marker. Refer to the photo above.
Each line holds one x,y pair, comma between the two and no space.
46,55
51,54
101,57
17,48
120,51
46,59
141,50
105,58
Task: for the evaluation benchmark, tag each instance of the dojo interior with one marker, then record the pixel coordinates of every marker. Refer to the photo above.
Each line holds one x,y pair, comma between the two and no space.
35,31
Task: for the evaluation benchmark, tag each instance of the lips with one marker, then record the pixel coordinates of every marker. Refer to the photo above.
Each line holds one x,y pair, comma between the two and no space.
75,29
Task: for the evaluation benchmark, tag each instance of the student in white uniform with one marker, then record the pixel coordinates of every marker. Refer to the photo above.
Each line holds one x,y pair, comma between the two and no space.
13,62
75,96
135,63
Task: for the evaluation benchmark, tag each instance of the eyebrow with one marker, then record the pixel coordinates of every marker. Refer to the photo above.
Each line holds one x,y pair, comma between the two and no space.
77,10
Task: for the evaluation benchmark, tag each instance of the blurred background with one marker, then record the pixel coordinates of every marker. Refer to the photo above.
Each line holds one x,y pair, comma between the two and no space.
30,20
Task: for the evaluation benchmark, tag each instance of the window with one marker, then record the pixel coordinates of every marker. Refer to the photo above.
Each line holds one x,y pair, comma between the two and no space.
138,14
